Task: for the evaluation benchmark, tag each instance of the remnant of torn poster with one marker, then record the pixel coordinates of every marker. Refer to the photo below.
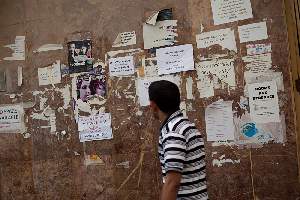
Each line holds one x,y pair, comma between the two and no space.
3,85
121,66
49,47
175,59
223,37
50,75
163,33
252,133
253,32
80,56
150,67
263,102
223,69
205,86
95,127
225,11
125,39
19,49
12,119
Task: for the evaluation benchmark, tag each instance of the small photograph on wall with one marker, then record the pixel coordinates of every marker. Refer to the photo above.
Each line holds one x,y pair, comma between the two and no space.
91,84
80,56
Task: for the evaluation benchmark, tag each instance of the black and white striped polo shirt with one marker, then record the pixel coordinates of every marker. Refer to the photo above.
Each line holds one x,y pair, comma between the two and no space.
181,149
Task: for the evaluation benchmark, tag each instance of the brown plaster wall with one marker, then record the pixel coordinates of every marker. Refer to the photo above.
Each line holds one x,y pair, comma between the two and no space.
48,166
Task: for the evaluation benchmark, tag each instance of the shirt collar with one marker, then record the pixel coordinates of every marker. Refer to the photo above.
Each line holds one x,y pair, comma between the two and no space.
170,117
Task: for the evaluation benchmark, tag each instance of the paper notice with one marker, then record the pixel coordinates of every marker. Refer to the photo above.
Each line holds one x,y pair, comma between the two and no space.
143,84
223,37
19,49
125,39
223,69
225,11
175,59
12,119
121,66
258,63
163,33
263,102
255,49
219,121
253,32
95,127
50,75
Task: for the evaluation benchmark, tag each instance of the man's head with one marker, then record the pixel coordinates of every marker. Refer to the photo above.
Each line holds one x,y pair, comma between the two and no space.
164,96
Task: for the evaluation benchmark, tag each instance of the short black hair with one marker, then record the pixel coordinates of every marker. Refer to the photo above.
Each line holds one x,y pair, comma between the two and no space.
166,95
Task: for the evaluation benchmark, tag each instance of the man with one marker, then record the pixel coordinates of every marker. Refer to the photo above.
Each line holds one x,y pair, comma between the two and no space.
181,146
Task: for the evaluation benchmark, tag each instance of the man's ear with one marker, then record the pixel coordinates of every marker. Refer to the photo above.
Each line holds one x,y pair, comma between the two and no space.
153,105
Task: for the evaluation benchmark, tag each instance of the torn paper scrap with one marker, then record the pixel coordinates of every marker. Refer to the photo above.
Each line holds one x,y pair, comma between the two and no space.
253,32
223,37
20,76
50,75
205,86
189,88
142,85
258,63
225,11
165,14
254,49
152,18
121,66
125,39
219,121
95,127
263,102
162,34
12,119
49,47
19,49
175,59
223,69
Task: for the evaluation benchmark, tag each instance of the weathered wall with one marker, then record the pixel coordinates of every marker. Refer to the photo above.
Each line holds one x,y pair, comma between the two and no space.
51,166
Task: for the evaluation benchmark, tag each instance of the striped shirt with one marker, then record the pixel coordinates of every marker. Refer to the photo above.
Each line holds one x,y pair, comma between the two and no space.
181,149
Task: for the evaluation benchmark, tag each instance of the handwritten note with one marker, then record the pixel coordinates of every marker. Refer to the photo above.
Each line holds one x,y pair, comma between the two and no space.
121,66
258,63
225,11
253,32
50,75
95,127
223,69
263,102
223,37
125,39
175,59
11,119
219,121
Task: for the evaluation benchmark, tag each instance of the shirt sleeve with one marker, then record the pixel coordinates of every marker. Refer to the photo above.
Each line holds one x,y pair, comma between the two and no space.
174,148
